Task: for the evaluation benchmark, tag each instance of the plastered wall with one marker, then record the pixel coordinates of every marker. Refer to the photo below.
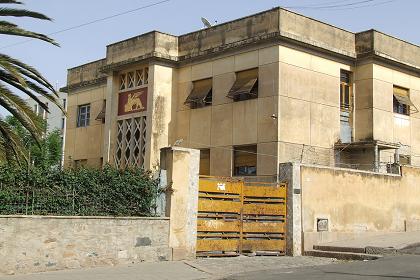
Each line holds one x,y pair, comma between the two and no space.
357,203
226,123
85,142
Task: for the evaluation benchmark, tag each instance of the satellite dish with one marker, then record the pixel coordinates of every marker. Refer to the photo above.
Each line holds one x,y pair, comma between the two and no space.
206,22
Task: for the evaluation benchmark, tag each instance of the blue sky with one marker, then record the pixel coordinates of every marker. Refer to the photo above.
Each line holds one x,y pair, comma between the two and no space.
398,18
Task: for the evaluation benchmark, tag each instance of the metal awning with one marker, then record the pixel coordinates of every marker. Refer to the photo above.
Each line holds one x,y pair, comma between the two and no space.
244,83
201,89
101,115
403,97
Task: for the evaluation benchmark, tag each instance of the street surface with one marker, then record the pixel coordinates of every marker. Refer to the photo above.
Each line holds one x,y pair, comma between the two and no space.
396,267
247,268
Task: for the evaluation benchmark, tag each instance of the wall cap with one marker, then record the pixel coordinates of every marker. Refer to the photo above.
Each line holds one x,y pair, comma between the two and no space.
81,217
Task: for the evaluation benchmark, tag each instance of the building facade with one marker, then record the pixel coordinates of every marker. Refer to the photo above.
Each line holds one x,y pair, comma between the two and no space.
251,93
55,119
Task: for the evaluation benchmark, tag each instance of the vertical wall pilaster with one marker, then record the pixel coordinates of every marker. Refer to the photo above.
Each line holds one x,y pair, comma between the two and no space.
290,173
181,166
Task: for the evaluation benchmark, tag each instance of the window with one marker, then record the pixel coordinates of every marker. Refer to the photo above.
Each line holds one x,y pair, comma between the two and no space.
205,162
345,91
83,115
40,112
133,79
201,94
346,105
36,108
245,161
245,86
401,101
80,163
64,103
63,123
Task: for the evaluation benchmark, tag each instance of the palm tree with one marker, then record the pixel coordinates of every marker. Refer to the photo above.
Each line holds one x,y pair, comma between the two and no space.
18,76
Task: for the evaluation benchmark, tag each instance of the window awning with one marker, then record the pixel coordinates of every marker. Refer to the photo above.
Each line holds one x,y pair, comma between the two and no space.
101,115
403,97
245,82
200,91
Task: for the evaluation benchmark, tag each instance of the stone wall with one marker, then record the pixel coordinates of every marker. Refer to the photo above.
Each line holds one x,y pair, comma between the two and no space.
35,244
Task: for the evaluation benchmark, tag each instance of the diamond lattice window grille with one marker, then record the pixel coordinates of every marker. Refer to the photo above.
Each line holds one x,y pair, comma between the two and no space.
131,142
130,79
134,79
123,81
139,77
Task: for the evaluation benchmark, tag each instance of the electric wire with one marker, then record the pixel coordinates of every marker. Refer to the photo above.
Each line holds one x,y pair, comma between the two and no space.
345,6
90,22
309,149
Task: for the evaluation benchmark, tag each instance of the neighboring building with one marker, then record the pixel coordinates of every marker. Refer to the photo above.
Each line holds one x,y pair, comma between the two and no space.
55,119
251,93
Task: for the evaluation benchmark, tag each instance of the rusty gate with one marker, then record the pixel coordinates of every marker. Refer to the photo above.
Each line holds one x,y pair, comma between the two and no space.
235,217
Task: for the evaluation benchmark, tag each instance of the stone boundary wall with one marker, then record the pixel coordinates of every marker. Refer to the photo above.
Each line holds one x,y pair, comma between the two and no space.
329,204
43,243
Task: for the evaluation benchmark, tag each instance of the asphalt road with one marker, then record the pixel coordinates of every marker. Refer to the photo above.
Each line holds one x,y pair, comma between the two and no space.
395,267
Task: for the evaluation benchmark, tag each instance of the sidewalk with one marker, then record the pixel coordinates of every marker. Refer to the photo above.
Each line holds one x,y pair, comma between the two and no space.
397,242
210,268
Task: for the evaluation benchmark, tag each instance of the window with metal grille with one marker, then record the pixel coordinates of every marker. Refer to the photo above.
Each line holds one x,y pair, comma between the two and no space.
245,86
134,79
131,142
83,115
245,160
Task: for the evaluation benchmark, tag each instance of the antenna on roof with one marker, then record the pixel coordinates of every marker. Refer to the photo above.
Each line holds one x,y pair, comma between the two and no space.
206,22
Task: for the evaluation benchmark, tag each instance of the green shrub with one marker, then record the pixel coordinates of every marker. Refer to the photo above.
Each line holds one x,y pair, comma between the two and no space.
77,192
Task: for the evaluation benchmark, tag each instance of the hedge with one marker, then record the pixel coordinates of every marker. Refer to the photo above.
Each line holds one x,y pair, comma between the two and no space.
77,192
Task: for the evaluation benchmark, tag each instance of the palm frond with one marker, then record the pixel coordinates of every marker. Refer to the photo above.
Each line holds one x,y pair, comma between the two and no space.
7,12
11,80
6,23
11,146
26,81
20,76
10,2
36,75
21,111
17,31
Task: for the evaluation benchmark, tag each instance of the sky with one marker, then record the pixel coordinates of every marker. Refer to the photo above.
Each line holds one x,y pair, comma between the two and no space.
398,18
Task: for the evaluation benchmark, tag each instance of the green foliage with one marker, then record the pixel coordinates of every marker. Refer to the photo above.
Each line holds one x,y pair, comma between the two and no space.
77,192
18,76
45,153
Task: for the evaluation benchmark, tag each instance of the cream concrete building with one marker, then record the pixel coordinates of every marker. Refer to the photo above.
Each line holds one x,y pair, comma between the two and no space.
251,93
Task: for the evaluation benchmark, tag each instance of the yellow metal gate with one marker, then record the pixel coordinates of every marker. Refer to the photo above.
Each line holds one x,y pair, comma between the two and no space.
236,217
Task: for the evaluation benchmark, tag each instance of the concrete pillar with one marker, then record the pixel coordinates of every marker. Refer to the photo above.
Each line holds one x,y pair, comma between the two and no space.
181,167
290,173
110,126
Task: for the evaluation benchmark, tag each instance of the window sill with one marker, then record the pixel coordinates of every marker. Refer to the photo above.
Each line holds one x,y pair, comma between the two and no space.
401,116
